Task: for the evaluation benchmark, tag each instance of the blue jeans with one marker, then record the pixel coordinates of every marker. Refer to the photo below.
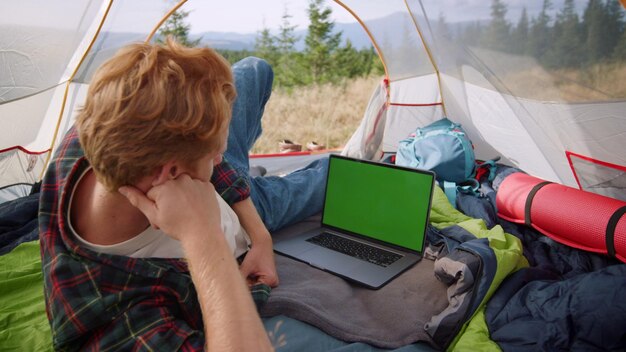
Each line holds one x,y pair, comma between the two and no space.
280,201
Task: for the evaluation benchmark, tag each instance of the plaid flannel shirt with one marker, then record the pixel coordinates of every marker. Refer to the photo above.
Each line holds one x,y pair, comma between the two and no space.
103,302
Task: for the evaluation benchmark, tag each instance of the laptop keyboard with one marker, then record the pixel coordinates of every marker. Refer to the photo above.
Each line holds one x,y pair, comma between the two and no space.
355,249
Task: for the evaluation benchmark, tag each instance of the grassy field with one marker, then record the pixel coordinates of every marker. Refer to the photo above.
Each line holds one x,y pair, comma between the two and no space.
330,114
599,82
325,114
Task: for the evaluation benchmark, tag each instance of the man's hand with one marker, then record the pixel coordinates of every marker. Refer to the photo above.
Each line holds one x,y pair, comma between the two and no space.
187,210
259,266
179,207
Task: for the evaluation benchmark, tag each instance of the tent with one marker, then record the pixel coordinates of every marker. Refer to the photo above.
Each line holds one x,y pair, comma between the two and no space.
49,52
510,105
550,123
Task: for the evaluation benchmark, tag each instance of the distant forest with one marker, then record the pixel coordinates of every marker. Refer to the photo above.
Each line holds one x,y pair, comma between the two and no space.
326,58
565,41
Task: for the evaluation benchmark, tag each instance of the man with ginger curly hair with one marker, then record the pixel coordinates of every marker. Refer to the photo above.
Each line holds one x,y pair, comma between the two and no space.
148,201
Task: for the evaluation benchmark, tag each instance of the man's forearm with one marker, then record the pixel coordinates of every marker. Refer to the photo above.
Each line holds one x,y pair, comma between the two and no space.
251,222
258,266
230,317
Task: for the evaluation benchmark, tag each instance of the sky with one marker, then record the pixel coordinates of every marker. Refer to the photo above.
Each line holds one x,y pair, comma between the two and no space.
246,16
253,15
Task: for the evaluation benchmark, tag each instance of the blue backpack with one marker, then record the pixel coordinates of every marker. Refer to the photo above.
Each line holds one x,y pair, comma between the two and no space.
443,147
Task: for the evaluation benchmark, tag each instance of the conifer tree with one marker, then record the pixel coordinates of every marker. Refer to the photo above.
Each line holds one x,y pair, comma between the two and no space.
287,38
265,46
375,63
566,50
290,71
351,63
497,34
614,25
594,31
472,34
320,42
540,33
175,26
519,35
619,54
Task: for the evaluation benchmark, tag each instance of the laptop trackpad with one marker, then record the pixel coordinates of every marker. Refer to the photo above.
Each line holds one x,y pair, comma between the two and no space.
327,259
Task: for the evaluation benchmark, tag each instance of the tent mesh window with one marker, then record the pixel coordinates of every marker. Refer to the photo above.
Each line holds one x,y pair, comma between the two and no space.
598,176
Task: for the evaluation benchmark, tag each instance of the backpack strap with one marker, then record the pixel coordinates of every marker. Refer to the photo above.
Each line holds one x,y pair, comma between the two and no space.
470,186
449,188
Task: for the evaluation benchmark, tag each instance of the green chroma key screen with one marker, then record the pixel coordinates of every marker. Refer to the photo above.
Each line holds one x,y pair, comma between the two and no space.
378,201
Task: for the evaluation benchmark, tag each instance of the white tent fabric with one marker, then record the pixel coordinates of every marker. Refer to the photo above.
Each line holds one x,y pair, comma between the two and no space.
48,47
37,50
479,89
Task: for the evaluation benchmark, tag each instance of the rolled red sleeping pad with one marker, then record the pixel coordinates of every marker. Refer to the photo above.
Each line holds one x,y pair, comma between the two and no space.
579,219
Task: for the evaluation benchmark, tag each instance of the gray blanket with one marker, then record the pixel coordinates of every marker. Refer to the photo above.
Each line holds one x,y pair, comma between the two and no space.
390,317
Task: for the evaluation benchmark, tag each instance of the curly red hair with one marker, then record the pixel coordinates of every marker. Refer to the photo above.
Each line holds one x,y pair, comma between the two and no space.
150,104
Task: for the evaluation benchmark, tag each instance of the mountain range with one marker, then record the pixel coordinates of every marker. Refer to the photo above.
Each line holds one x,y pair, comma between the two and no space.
388,25
350,31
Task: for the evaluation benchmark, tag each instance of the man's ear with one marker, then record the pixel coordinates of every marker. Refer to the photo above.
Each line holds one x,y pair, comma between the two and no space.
169,171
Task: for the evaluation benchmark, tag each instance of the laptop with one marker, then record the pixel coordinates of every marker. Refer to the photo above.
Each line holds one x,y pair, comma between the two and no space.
373,224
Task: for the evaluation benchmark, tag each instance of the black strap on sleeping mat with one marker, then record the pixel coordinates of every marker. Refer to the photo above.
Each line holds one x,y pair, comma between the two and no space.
529,200
610,230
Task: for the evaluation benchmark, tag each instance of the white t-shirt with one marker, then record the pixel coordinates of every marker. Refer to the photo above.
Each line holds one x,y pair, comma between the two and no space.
153,243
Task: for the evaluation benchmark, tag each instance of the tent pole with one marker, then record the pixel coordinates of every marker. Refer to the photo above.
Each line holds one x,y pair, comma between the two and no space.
369,34
167,15
429,53
67,87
